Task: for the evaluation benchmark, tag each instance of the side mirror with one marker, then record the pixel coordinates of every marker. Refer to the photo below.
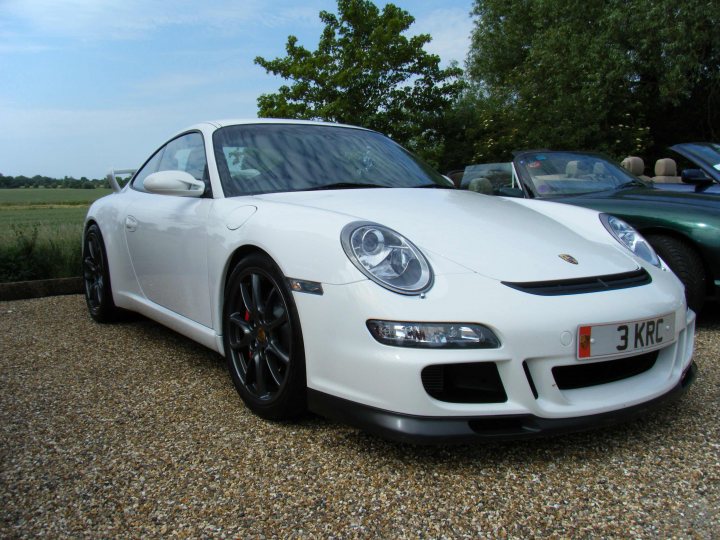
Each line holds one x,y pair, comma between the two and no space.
174,183
695,176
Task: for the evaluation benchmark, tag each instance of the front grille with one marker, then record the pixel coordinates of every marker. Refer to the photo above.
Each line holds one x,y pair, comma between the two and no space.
584,375
477,382
583,285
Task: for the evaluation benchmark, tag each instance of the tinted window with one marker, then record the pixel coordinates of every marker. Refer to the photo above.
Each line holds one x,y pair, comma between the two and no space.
270,158
184,153
150,167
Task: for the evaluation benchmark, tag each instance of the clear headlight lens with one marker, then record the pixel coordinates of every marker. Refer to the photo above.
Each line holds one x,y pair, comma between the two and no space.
433,335
630,238
387,257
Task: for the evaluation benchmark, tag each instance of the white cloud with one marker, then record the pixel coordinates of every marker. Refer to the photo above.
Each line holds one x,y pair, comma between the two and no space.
450,30
131,19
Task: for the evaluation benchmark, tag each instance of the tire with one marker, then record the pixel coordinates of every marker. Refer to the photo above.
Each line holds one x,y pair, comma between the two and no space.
96,278
687,265
263,340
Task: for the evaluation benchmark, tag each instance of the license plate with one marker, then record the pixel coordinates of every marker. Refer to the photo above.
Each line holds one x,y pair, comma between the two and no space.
626,337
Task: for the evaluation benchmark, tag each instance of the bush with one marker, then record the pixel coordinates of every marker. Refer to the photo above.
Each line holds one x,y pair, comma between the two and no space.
40,252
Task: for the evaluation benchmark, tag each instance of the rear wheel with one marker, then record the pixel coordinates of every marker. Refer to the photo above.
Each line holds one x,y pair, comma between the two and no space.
96,277
687,265
263,341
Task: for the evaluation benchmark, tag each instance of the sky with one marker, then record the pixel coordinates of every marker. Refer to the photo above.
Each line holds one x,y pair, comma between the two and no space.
88,85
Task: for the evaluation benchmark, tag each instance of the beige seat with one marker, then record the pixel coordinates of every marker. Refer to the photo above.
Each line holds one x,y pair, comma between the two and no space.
635,165
576,168
666,172
481,185
599,169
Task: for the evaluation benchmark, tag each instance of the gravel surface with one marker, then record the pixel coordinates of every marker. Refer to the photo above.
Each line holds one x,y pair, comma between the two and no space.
131,430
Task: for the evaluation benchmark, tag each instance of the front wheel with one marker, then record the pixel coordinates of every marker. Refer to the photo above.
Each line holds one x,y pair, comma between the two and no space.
263,341
687,265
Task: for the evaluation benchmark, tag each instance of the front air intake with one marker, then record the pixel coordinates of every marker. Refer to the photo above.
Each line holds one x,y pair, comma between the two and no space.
584,375
477,382
583,285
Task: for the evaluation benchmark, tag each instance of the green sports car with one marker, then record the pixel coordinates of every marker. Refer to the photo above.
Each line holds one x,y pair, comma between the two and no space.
684,228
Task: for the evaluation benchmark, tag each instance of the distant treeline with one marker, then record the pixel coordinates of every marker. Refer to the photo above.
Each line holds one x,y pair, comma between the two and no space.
38,181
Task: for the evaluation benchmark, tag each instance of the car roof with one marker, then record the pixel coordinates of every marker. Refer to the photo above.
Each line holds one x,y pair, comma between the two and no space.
247,121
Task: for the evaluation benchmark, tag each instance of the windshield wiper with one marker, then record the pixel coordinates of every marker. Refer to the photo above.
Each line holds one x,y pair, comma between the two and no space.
343,185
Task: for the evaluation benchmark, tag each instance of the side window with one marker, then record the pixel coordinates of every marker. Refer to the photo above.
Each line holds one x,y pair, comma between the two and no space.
185,153
150,167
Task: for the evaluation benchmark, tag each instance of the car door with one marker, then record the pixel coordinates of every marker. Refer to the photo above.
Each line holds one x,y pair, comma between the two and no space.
167,234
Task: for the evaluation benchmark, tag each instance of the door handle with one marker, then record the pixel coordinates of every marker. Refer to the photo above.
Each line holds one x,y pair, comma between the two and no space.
131,223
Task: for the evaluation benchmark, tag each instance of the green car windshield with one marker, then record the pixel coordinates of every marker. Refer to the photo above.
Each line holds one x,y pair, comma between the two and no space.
707,153
553,174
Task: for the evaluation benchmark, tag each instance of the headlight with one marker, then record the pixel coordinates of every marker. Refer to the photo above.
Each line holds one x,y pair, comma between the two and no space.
630,238
433,335
386,257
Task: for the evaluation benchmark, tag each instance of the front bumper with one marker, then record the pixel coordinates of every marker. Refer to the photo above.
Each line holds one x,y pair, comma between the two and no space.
453,430
352,377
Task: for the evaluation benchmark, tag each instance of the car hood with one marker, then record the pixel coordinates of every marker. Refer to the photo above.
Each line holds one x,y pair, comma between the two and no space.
496,237
649,197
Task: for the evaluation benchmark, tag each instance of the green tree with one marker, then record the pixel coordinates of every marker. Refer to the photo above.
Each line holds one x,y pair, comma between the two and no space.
366,72
620,76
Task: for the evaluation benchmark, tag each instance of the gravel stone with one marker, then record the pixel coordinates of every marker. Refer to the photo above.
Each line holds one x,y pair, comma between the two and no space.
131,430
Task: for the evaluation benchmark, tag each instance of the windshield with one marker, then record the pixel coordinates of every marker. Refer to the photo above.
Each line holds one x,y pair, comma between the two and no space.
270,158
553,174
497,174
708,153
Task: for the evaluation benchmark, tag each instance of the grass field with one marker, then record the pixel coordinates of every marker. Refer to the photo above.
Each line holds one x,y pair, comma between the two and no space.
42,197
41,232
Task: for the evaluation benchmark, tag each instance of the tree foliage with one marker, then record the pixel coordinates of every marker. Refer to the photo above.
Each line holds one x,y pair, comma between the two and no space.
620,76
366,72
47,182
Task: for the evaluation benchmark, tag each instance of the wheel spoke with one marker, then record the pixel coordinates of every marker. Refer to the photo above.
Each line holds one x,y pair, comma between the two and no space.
256,296
278,353
97,255
91,247
269,299
90,265
260,383
97,292
274,371
239,322
278,321
248,301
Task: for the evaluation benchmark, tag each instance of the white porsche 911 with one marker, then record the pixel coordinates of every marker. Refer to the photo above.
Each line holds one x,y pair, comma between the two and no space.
339,274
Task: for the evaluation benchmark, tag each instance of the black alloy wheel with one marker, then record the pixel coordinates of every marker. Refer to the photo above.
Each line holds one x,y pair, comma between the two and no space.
263,342
96,277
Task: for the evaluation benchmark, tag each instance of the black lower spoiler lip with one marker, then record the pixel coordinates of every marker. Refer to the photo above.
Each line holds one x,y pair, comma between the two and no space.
454,430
